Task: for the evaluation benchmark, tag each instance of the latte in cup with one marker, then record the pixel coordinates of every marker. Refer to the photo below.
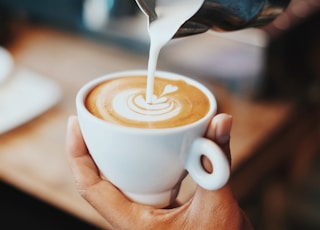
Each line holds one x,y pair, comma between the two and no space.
123,101
147,149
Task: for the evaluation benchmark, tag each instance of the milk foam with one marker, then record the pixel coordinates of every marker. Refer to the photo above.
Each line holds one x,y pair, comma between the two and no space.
131,104
122,101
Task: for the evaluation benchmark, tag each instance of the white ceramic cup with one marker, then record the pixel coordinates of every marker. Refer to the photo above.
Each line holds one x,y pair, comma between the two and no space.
148,165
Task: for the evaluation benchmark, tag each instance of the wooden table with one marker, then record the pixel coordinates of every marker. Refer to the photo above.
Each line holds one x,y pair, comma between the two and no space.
32,156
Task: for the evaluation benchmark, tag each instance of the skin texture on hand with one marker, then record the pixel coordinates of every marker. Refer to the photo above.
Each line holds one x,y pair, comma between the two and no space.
217,210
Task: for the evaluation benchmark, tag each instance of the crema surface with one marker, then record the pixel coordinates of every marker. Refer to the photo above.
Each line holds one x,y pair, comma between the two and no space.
123,101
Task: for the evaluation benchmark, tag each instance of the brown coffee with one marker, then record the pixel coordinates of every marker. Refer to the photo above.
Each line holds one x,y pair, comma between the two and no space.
122,101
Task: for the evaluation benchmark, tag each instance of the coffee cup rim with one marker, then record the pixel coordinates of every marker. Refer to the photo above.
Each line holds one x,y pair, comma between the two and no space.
86,88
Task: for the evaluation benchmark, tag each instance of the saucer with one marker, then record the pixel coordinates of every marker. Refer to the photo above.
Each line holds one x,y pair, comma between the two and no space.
6,64
24,96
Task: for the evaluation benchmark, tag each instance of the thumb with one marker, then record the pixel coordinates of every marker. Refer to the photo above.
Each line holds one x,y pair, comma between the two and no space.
219,204
219,132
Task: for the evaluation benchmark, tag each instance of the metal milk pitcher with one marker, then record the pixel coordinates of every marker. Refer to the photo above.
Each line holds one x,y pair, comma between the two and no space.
224,15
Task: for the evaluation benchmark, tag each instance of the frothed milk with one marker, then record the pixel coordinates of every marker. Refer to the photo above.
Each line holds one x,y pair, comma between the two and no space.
122,101
171,15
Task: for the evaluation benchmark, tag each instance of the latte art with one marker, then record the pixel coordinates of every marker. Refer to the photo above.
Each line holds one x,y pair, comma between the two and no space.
132,105
123,101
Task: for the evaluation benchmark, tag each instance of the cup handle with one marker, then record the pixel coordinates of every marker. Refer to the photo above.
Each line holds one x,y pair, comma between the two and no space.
221,169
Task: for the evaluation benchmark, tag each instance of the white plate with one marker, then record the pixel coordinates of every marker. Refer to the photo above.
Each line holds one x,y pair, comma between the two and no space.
6,64
24,96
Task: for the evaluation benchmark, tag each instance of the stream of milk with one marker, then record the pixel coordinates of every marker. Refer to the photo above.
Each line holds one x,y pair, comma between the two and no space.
171,15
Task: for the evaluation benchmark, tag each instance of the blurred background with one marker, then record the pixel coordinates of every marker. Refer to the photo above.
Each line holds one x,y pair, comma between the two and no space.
268,78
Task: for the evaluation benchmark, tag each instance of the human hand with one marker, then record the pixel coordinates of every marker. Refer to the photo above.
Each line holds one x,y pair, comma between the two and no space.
217,210
296,12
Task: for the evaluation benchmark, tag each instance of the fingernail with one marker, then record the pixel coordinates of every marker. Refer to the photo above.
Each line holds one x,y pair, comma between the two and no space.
223,130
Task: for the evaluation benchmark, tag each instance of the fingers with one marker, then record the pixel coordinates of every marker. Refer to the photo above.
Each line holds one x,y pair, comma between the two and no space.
84,170
219,129
101,194
219,132
74,142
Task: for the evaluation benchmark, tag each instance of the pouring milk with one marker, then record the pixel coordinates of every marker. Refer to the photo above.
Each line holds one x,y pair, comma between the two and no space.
171,16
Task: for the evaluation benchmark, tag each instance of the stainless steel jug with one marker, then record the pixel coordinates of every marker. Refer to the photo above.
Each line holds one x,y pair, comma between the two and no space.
224,15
